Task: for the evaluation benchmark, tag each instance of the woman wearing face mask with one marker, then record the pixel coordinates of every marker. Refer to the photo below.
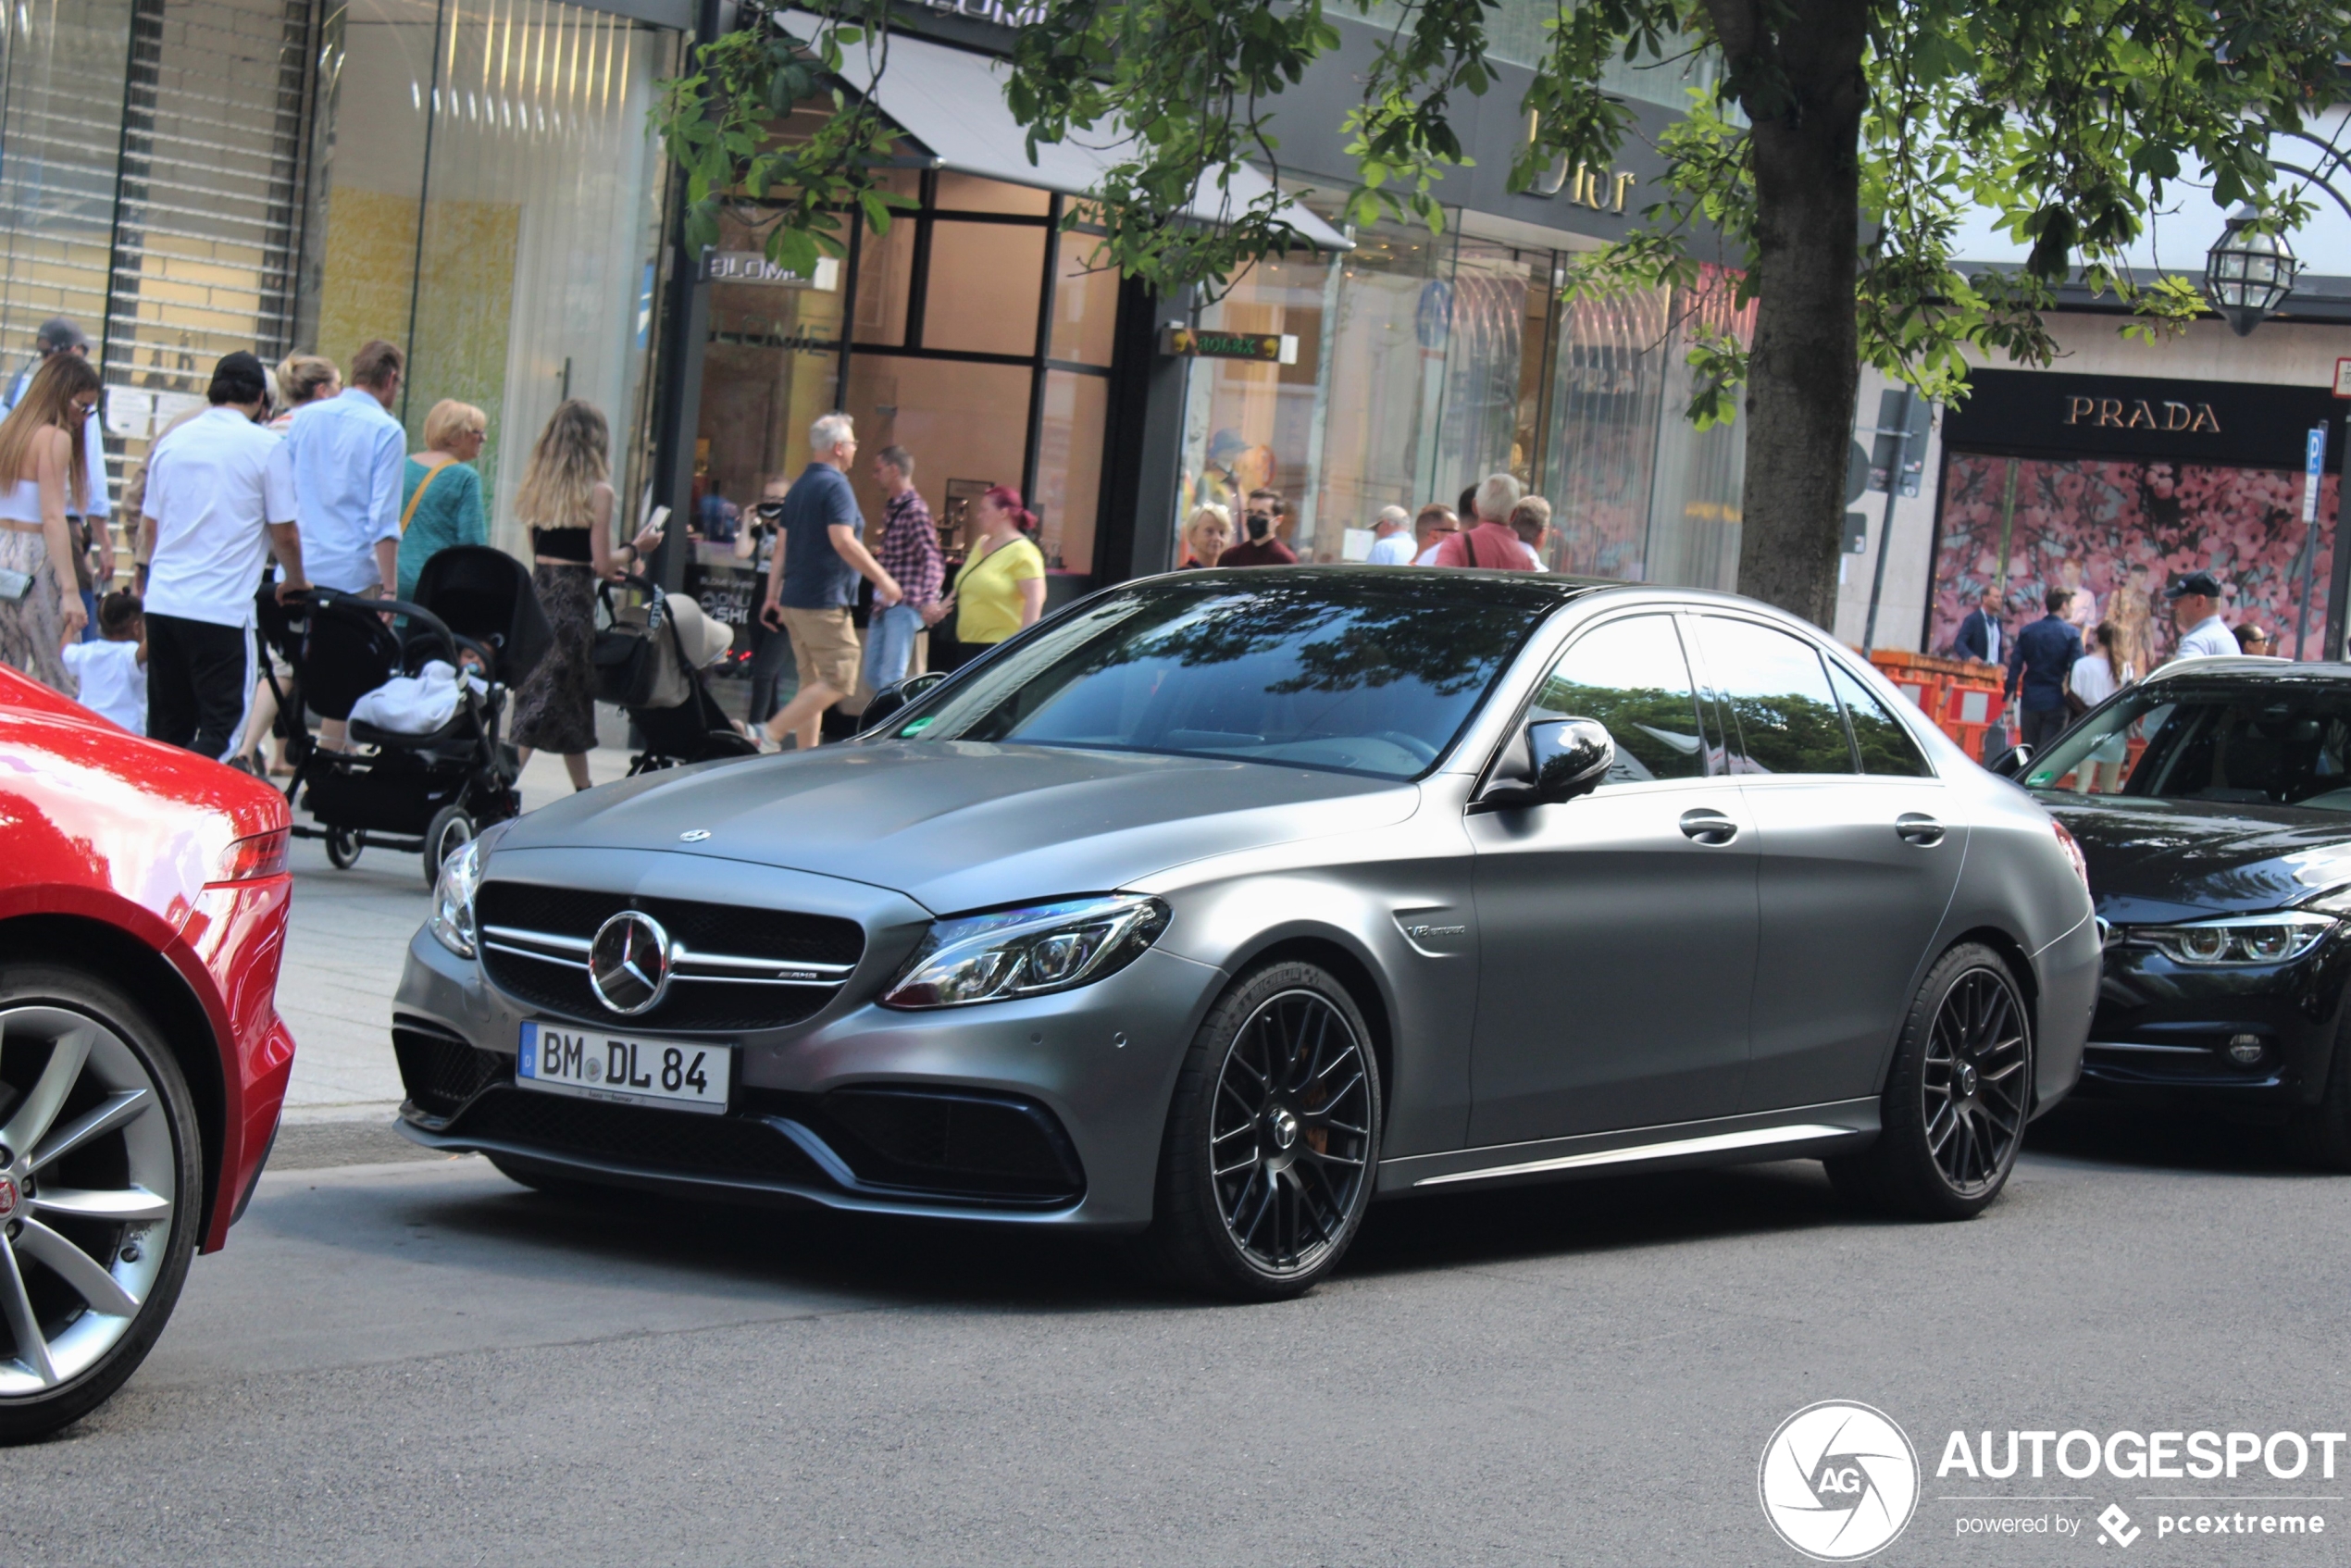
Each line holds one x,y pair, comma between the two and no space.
755,540
1258,546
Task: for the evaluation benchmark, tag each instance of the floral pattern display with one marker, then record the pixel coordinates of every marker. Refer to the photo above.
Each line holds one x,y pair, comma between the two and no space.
2123,529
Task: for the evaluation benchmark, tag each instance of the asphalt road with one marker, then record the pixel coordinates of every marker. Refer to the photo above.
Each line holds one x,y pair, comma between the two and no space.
421,1363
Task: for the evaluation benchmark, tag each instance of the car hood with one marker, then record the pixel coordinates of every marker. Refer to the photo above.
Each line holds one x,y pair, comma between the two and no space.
964,825
2155,861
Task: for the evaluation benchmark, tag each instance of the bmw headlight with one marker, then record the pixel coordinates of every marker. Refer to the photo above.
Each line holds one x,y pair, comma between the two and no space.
452,923
1046,947
2243,939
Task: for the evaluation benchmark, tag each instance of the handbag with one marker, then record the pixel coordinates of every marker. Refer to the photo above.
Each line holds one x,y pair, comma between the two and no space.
635,659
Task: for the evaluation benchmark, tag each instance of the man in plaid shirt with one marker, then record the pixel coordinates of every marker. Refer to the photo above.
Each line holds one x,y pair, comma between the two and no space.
908,551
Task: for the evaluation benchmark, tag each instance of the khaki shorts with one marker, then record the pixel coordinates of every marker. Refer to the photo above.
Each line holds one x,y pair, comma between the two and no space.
824,647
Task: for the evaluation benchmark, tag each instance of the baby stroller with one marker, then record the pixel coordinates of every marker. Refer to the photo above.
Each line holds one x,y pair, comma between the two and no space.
651,662
422,793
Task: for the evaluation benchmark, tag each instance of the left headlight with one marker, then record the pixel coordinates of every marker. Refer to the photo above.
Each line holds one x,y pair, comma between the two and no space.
1047,947
2243,939
452,924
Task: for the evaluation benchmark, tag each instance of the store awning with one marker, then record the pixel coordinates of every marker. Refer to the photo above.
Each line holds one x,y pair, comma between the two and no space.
953,102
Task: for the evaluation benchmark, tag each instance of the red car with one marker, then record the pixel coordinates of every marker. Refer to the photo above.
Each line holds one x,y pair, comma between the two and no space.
142,914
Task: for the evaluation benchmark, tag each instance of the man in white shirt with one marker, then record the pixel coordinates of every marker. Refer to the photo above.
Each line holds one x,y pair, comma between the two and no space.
347,455
219,498
2196,610
58,335
1392,539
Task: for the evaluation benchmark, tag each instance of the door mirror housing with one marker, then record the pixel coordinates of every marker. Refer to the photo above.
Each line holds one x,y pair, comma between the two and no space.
890,699
1561,759
2010,763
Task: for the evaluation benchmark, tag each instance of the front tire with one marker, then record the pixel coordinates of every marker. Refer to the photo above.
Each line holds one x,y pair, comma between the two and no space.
1957,1098
101,1181
1273,1140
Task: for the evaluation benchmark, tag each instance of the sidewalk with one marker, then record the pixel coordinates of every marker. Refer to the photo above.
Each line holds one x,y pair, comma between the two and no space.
345,947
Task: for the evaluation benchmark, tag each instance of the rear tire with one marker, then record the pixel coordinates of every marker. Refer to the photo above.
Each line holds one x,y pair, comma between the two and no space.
2321,1133
343,845
450,829
1273,1140
1955,1101
153,1157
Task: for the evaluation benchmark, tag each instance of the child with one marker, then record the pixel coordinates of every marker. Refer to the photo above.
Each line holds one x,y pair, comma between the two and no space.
114,672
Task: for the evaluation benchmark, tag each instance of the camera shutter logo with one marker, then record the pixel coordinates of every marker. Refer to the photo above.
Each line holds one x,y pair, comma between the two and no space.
1838,1481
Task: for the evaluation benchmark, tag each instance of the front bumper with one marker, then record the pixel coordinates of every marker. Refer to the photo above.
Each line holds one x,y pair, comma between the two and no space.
2163,1031
1070,1093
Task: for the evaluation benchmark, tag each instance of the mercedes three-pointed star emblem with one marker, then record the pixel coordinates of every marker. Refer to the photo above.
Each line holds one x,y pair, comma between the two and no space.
628,962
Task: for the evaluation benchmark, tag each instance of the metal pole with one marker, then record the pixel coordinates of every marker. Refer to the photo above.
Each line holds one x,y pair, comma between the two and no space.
2315,478
1885,533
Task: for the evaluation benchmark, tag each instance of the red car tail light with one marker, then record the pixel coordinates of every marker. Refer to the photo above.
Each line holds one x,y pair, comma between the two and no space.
250,860
2074,854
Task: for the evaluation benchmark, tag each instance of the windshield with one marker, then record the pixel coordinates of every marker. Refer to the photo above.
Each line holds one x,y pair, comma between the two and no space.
2265,744
1355,672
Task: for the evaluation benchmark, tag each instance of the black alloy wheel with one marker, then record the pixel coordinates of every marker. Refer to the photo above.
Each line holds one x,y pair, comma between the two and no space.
1957,1098
1272,1139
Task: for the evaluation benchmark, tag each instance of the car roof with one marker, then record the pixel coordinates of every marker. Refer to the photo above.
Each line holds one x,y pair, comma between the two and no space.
2240,668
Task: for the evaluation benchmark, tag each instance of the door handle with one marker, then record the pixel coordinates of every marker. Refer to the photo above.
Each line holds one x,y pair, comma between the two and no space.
1917,827
1709,827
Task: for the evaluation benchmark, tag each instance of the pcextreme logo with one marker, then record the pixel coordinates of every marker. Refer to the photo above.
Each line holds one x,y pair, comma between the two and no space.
1838,1480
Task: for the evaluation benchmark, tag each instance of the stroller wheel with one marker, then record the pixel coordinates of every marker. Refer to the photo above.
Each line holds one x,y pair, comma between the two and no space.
452,831
343,845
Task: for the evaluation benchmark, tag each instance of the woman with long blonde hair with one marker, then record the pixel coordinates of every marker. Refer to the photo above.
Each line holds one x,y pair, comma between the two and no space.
45,475
566,500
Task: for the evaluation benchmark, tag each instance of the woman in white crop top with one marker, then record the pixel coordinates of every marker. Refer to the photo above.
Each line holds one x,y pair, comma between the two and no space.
43,476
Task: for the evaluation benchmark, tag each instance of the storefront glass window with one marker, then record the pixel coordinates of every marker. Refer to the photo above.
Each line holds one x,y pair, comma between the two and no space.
491,205
972,303
966,425
1069,463
1085,303
969,193
1425,363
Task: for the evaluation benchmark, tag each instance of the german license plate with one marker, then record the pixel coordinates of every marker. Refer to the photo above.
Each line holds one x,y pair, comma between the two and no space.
591,1065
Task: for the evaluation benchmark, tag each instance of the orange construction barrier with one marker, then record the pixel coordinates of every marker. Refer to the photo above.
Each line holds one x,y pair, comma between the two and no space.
1960,697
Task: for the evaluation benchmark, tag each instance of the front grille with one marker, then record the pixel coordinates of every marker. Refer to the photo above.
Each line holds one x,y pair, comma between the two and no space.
441,1071
692,1006
637,1136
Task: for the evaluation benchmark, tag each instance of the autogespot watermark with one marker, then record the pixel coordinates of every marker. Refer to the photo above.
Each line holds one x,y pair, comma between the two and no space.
1840,1481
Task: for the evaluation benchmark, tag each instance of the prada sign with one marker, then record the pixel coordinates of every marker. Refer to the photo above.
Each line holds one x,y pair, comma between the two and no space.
2240,424
2141,413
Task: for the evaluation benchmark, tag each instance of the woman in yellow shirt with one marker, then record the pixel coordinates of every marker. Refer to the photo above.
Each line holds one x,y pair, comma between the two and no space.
1001,587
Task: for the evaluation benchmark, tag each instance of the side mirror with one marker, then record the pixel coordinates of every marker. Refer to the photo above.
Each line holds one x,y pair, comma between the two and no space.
897,695
2010,763
1563,758
1571,757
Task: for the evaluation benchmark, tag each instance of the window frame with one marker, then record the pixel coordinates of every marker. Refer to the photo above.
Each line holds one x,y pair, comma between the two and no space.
1674,612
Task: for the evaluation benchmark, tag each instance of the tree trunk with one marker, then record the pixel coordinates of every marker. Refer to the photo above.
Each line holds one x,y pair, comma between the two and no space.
1805,366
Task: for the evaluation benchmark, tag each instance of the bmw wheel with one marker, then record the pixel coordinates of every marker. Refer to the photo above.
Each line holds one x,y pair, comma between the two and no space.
1957,1098
101,1192
1273,1140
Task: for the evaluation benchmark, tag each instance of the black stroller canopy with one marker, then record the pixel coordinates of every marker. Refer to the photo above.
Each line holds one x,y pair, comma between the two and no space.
485,594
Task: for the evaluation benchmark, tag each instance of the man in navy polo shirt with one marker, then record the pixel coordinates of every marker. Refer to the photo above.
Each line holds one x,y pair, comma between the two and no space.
811,582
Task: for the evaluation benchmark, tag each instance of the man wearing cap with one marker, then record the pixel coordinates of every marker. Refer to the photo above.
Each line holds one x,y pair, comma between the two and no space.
2196,610
220,497
58,335
2044,655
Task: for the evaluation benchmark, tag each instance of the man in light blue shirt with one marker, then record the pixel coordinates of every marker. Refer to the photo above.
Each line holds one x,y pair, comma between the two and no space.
347,455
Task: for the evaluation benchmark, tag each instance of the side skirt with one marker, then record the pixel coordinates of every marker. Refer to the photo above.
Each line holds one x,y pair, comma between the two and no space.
1806,1132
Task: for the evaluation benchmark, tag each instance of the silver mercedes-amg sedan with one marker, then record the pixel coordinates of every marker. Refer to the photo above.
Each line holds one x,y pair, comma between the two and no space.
1225,902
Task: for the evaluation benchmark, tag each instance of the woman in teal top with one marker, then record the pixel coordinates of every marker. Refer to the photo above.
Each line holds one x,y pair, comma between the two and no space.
441,496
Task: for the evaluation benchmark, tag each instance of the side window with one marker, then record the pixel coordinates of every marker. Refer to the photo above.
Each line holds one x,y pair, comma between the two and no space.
1885,747
1785,718
1630,675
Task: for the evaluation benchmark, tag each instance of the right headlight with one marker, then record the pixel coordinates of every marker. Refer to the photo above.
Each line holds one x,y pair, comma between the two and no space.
2243,939
451,922
1028,951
